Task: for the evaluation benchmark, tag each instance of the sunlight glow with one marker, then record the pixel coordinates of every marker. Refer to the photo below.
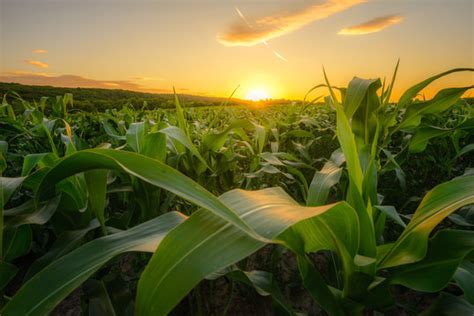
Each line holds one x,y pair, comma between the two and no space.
257,94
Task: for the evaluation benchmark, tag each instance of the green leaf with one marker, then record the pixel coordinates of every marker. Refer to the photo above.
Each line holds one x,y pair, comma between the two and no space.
147,169
449,305
349,148
413,91
97,189
136,136
442,101
179,135
216,141
315,284
356,92
17,242
446,251
464,277
30,162
391,212
7,273
64,243
39,216
466,149
324,180
419,142
205,244
9,186
50,286
440,202
154,146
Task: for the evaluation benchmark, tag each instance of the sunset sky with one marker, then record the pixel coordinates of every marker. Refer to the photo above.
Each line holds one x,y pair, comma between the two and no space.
269,48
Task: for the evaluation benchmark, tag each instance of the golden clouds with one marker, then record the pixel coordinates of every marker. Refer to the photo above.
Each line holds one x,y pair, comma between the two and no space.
245,33
37,63
372,26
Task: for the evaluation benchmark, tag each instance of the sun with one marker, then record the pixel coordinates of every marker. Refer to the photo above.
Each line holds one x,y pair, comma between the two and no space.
257,94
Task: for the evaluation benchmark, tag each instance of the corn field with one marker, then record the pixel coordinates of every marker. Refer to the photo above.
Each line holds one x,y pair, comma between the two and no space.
345,204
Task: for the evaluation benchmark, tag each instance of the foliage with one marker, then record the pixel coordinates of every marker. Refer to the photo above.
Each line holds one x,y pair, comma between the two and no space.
204,189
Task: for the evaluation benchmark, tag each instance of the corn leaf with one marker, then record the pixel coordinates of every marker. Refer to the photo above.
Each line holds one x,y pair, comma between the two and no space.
50,286
446,251
440,202
147,169
205,244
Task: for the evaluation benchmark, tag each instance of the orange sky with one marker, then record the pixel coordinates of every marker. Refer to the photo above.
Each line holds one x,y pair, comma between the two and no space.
273,48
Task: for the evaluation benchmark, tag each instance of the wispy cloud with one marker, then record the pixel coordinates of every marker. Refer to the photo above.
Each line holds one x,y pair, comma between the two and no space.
40,51
372,26
247,32
74,81
37,63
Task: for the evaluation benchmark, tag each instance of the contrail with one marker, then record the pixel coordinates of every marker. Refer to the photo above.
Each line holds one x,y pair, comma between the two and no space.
277,54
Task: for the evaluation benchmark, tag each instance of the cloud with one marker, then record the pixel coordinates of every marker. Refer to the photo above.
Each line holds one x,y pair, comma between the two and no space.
40,51
74,81
37,63
372,26
245,33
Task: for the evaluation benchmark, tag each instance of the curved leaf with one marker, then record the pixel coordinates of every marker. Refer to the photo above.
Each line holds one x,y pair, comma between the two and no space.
446,251
142,167
205,243
440,202
49,287
324,180
409,94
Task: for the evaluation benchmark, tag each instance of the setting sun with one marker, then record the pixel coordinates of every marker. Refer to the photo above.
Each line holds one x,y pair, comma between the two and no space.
257,94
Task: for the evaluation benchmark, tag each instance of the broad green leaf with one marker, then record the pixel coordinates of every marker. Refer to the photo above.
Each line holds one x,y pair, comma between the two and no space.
38,217
365,122
111,131
136,136
17,242
324,180
440,202
464,277
147,169
349,148
442,101
205,244
154,146
9,186
419,142
30,162
97,189
179,135
446,251
356,92
449,305
216,141
49,287
260,136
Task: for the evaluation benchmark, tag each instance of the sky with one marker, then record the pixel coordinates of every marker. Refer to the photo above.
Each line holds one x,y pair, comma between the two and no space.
267,48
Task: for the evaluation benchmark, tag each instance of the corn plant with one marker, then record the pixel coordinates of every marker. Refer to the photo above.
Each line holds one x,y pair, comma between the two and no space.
230,227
